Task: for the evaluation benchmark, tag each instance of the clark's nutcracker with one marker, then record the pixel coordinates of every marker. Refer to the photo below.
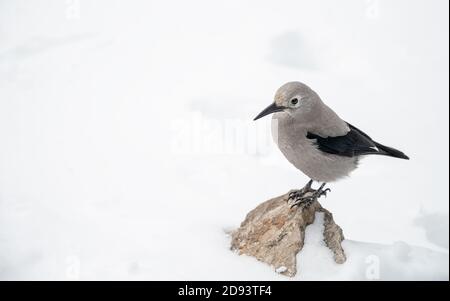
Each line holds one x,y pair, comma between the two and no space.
315,140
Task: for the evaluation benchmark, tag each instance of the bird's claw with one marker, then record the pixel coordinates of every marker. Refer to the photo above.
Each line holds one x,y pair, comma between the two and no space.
306,201
323,192
298,194
295,194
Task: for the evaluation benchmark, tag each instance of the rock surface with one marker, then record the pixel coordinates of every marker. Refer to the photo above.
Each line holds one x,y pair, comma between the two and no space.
274,233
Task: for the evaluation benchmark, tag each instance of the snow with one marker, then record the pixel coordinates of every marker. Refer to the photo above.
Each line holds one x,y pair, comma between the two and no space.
128,150
368,261
281,269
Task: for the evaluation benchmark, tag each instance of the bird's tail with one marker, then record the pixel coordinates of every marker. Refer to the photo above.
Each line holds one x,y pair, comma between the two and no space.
391,152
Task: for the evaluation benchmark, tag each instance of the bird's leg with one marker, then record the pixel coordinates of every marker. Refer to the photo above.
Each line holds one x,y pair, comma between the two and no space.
299,193
319,192
306,201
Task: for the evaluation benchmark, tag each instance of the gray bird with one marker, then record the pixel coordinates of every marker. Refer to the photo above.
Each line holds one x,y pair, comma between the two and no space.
316,141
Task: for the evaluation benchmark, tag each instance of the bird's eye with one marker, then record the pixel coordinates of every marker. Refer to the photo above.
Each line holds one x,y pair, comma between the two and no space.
294,101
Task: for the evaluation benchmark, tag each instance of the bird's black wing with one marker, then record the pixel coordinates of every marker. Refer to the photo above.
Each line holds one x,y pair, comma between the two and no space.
354,143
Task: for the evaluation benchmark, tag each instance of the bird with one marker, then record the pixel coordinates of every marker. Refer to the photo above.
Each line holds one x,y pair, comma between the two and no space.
317,141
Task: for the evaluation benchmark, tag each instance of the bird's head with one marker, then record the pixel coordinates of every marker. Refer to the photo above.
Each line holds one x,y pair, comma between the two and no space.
293,98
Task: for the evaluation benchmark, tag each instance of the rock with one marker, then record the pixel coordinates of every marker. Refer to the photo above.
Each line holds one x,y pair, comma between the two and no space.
274,233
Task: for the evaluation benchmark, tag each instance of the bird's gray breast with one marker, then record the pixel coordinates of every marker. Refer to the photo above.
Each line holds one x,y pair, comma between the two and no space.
304,154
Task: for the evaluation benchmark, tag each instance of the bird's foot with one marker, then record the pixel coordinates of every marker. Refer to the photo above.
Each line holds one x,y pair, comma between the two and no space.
299,193
322,192
304,201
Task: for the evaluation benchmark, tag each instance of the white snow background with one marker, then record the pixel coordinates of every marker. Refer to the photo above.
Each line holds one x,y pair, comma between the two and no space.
127,148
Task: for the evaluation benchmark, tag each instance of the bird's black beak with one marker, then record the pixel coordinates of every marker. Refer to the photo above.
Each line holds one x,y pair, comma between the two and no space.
273,108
